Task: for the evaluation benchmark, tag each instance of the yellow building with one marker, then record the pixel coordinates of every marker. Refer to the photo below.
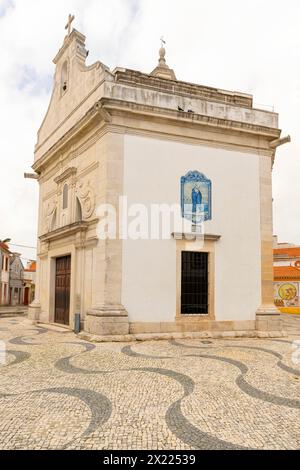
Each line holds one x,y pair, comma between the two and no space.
287,278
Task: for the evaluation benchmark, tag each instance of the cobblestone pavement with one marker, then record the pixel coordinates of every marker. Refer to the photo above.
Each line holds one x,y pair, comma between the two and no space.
59,392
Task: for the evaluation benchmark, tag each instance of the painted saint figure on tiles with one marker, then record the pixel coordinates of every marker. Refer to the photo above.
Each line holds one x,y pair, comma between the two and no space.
196,198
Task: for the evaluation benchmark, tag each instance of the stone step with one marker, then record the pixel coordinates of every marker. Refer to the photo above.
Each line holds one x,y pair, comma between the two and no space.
13,311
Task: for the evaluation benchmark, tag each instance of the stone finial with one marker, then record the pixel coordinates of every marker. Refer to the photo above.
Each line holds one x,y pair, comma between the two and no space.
163,70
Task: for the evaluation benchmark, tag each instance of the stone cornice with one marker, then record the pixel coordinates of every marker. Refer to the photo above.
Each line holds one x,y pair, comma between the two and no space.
88,169
40,144
139,79
61,236
66,174
91,118
194,236
101,113
193,118
63,232
82,147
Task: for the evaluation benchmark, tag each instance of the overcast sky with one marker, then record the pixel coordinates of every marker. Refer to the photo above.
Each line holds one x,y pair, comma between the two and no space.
252,46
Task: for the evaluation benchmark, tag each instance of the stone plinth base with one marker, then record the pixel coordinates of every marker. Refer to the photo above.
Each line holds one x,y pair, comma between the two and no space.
191,325
103,327
174,336
34,311
268,319
107,320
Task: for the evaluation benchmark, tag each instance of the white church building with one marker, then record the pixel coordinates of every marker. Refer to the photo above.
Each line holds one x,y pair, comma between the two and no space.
152,142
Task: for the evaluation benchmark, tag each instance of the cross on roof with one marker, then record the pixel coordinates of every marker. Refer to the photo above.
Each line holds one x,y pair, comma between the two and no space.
163,42
69,23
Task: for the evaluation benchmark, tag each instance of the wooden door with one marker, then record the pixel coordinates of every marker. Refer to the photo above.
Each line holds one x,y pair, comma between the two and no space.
62,290
26,296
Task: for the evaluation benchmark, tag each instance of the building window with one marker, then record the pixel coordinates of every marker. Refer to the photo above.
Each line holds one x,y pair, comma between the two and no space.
194,282
6,264
65,196
64,78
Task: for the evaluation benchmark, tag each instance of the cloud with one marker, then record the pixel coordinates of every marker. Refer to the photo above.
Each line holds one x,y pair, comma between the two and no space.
5,5
249,46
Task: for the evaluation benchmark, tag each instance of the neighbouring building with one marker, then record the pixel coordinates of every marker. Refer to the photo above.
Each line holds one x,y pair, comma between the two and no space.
4,274
287,277
29,276
16,290
156,140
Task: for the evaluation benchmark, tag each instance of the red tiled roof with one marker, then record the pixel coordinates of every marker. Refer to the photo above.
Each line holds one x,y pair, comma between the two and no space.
31,267
286,272
292,251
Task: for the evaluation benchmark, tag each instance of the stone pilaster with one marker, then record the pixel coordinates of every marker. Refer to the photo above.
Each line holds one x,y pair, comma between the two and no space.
108,316
35,308
267,316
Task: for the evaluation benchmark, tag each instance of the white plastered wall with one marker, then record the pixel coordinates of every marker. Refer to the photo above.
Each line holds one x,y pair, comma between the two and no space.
152,172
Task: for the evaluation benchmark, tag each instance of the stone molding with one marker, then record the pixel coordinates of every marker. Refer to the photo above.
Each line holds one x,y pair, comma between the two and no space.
108,311
57,236
65,175
40,145
114,107
192,235
107,320
142,80
194,118
78,129
93,338
76,152
65,231
88,169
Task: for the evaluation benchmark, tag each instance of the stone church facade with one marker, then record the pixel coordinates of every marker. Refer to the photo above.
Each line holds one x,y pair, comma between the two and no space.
117,133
